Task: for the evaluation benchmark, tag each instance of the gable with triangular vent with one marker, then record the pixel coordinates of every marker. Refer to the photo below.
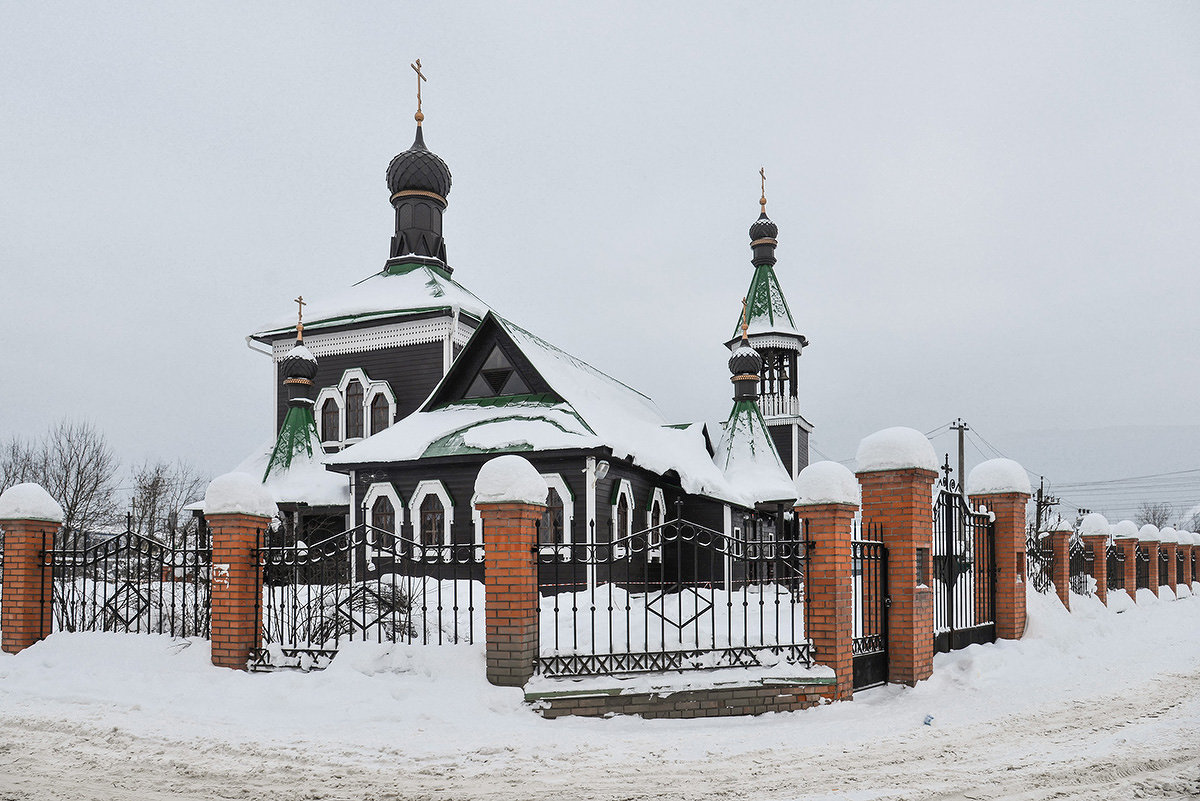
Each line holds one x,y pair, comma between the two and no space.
491,365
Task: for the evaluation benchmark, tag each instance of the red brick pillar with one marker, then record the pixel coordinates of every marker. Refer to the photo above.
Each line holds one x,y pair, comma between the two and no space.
29,518
237,511
901,502
1129,551
1060,543
511,498
829,588
1151,547
1009,509
236,587
1099,545
1172,567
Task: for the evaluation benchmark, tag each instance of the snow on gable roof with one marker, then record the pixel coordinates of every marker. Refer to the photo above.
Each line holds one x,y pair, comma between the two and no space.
408,289
747,456
596,410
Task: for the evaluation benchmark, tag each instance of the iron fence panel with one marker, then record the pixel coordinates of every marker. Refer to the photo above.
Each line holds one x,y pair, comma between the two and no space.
964,571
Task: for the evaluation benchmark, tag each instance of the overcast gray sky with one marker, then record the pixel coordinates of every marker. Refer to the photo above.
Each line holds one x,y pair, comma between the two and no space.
985,210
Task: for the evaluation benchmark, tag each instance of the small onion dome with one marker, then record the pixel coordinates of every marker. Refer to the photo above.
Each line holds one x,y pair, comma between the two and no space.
745,360
299,363
419,169
763,228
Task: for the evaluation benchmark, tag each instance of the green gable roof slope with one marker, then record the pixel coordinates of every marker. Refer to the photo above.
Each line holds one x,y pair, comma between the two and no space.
293,468
767,309
746,455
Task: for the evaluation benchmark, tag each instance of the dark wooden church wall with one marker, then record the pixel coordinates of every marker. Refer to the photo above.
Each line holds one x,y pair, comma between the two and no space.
412,371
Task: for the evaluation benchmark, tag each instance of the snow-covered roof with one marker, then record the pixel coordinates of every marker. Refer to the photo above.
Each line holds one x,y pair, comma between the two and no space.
746,455
595,410
304,480
393,292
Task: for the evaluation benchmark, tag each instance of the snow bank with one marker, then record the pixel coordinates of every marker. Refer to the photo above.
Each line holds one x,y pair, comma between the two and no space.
29,502
1094,524
1146,597
509,479
1119,601
827,482
1148,533
896,448
996,476
238,493
1125,530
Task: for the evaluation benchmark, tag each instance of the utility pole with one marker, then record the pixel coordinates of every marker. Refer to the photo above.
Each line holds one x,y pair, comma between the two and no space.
962,428
1044,502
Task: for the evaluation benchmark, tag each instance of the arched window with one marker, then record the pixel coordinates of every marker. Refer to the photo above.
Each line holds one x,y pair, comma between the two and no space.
383,514
623,529
433,516
550,532
354,410
329,421
379,414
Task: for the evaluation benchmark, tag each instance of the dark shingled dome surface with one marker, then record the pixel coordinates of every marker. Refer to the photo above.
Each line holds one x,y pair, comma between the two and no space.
418,168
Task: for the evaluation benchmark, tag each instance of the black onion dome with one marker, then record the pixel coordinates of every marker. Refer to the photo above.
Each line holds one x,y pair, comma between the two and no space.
745,361
419,168
763,228
298,363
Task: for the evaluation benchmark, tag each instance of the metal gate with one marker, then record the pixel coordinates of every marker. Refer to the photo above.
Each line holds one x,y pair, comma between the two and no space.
964,572
365,584
129,583
871,602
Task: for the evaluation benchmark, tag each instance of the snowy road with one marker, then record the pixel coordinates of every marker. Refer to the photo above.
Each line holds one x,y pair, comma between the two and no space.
1095,706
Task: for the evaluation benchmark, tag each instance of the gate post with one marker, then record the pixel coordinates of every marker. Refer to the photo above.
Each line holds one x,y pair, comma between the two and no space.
1060,543
237,509
827,498
511,498
1003,486
29,518
897,468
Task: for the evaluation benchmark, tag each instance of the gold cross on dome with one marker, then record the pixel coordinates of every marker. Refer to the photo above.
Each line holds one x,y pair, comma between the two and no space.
420,77
745,324
300,304
763,200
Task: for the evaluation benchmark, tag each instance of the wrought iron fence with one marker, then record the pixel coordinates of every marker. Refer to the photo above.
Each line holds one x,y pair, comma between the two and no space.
1116,568
365,584
1143,567
128,583
677,596
1182,568
1164,562
1082,569
1039,561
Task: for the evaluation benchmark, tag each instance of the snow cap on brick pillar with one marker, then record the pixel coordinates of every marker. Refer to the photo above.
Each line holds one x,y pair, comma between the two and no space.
898,448
997,476
1125,530
239,493
510,479
29,502
1148,533
827,482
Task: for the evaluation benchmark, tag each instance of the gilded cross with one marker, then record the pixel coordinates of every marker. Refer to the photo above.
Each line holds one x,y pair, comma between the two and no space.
420,77
763,200
300,304
745,324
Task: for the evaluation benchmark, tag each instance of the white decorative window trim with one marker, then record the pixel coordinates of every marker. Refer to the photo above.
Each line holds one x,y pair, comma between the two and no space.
386,490
375,389
331,393
556,482
626,489
425,489
338,394
654,540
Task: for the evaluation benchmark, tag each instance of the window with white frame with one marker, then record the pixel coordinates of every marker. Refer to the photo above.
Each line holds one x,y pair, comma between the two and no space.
655,517
622,509
385,510
432,513
355,408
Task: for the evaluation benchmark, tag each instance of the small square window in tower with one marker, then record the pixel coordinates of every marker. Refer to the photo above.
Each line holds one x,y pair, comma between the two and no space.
497,377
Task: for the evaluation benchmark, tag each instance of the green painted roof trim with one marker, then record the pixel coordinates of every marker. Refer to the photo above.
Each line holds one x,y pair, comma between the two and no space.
765,302
454,444
296,436
409,266
503,400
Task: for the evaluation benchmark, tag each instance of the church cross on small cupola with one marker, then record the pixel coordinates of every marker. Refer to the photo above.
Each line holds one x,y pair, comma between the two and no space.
300,304
762,201
419,116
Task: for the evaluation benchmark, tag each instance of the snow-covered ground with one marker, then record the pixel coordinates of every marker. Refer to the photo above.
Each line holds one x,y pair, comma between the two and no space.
1089,705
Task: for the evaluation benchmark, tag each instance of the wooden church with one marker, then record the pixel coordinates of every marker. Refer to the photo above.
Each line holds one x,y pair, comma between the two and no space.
392,394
